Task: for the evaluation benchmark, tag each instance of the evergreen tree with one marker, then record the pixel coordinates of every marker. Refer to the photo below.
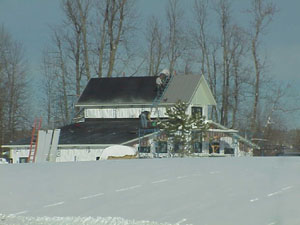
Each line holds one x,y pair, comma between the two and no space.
179,126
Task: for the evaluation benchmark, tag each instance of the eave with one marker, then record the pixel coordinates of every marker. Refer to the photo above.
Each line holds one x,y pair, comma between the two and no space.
124,105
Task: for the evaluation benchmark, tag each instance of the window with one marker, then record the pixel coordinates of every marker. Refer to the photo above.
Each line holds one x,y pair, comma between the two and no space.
197,141
196,110
214,147
144,149
23,159
178,147
197,147
162,147
229,151
144,146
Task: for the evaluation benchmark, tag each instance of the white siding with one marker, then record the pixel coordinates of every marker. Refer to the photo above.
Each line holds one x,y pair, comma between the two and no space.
225,142
64,153
78,154
17,153
122,112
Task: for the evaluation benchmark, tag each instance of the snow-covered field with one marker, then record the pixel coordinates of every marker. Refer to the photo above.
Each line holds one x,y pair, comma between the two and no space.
204,191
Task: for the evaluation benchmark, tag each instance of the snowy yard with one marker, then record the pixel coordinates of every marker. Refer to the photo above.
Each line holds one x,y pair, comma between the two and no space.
204,191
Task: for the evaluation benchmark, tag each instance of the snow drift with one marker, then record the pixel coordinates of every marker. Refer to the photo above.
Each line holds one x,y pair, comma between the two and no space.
118,151
20,220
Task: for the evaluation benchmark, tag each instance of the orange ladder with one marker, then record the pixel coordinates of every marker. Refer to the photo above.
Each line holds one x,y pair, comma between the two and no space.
34,140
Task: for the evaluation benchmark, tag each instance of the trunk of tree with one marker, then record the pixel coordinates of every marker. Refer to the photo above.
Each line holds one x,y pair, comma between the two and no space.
262,13
214,85
235,96
102,40
114,41
223,10
176,44
256,88
63,74
154,39
83,17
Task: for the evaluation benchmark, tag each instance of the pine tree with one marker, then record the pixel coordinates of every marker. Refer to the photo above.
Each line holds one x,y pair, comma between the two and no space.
179,126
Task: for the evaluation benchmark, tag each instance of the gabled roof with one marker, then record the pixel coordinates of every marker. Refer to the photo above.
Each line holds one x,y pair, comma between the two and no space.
130,91
192,89
181,88
203,94
118,91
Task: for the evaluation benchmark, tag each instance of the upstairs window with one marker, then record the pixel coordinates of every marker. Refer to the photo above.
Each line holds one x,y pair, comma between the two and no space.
196,110
178,147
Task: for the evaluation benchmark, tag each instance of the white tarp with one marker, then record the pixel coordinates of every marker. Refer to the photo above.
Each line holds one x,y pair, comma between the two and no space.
53,149
44,143
118,151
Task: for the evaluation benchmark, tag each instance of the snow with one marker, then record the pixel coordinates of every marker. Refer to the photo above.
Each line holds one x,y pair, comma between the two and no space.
3,161
20,220
118,151
212,191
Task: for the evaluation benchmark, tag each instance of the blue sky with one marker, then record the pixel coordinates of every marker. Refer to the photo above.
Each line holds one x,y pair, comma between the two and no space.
29,21
283,40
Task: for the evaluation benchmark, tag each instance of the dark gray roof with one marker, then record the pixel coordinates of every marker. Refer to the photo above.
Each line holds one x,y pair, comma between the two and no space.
105,131
118,91
101,131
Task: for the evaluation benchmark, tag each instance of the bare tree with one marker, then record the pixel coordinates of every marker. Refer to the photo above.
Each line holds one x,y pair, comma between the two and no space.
62,74
176,40
101,35
14,83
207,47
115,29
156,51
223,9
74,38
77,13
49,87
84,8
239,71
200,35
262,13
115,21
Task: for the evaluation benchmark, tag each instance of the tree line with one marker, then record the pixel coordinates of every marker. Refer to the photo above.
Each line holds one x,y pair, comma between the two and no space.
105,38
14,92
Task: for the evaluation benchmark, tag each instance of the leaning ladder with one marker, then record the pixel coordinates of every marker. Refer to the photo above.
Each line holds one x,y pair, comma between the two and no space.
34,140
158,97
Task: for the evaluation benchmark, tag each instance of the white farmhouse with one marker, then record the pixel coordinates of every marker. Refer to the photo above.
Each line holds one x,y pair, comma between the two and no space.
111,110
